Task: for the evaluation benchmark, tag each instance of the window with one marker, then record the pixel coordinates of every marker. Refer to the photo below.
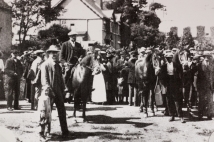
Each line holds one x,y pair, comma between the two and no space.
63,22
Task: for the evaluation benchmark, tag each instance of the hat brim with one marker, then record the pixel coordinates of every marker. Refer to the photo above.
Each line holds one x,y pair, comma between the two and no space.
52,50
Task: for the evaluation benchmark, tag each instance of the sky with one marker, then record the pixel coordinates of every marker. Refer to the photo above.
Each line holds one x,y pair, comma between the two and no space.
184,13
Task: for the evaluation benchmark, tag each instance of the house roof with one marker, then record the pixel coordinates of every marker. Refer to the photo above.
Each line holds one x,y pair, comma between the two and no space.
92,5
108,13
4,5
89,3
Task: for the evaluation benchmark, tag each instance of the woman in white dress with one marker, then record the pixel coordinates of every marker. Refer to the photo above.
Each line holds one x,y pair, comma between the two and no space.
99,93
2,95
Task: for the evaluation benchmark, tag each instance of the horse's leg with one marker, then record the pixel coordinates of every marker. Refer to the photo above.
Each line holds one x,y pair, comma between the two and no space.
83,111
153,102
75,108
145,96
140,93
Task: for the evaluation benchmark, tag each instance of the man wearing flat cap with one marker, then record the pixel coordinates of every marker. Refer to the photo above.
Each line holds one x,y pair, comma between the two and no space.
51,76
14,71
36,86
71,53
170,77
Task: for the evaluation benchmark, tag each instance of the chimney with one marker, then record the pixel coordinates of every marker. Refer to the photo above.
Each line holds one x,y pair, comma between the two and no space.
99,3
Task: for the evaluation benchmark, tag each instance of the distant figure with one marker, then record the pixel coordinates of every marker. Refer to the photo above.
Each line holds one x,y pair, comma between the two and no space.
2,95
99,94
44,110
32,75
14,71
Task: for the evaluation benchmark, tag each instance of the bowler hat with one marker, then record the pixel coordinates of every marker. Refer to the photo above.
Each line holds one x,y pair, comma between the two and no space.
72,33
133,53
109,55
53,48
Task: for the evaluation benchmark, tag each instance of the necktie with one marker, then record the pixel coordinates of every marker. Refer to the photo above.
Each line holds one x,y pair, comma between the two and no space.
57,82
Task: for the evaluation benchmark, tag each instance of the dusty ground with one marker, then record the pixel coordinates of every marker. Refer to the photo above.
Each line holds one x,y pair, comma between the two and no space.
107,123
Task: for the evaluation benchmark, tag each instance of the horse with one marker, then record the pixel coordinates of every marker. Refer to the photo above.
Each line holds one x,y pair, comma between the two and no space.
146,71
181,59
82,84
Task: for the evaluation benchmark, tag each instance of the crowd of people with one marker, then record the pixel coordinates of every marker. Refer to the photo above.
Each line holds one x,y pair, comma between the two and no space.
47,74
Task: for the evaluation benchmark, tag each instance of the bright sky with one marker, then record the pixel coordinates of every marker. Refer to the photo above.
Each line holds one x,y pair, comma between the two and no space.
183,13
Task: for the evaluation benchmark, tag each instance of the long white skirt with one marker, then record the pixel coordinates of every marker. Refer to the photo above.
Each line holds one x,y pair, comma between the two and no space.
99,94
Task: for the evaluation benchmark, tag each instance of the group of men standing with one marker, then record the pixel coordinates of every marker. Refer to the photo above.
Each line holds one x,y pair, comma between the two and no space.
56,66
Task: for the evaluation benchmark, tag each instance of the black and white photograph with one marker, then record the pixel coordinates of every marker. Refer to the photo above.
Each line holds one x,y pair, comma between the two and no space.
106,70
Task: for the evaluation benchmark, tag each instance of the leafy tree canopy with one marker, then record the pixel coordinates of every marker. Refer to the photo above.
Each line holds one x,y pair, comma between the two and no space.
144,24
27,14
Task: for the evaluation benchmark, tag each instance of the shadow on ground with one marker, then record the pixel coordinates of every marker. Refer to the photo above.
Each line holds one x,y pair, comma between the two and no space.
102,119
71,108
84,135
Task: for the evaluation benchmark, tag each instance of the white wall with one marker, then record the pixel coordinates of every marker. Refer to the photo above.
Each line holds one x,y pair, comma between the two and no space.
95,30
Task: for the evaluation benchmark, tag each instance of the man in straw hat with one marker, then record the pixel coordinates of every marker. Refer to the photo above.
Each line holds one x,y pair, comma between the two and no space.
34,70
172,81
14,71
51,76
71,53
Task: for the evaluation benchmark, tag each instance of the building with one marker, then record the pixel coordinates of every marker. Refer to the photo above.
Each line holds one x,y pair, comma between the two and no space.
90,21
5,26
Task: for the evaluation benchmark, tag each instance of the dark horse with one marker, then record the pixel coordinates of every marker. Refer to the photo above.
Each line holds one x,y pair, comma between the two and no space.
181,60
146,70
82,84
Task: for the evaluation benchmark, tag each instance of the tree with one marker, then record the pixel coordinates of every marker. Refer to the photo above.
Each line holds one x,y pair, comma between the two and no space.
187,39
27,14
145,31
173,39
143,24
56,34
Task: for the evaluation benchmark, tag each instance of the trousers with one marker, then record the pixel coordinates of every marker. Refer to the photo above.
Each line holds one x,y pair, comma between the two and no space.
13,87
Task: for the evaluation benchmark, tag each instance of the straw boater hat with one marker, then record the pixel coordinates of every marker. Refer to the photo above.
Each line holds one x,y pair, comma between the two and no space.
168,55
72,33
174,49
53,48
166,51
39,51
142,50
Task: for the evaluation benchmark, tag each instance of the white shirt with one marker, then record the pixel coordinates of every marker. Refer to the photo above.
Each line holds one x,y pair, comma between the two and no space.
72,43
1,65
170,68
35,66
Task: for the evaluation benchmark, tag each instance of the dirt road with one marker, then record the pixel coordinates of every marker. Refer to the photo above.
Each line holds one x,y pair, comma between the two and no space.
106,123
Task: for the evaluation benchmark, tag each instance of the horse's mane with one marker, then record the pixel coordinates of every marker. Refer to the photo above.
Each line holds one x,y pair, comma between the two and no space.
149,57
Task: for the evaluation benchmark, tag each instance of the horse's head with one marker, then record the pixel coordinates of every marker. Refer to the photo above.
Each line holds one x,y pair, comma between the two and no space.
157,57
183,56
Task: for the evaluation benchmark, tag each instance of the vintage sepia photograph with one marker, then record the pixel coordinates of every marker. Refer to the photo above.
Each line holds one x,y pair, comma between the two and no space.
106,70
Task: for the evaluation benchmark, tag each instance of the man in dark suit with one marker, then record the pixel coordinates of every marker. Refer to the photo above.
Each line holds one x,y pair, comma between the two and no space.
172,80
14,71
205,87
51,76
71,53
